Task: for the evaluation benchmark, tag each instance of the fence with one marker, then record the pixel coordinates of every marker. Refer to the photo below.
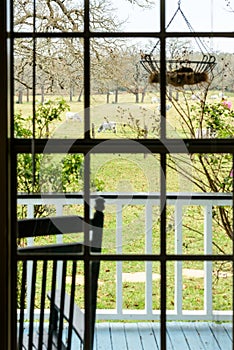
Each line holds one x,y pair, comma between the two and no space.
178,201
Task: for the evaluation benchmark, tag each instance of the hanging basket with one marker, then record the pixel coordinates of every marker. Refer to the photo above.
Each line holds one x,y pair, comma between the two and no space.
180,72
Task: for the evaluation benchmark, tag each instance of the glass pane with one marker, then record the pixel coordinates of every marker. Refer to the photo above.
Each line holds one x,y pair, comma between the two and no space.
222,287
190,117
50,16
199,211
59,109
44,276
23,84
50,173
141,287
199,16
199,101
218,334
130,185
199,334
23,16
199,305
107,285
124,16
154,267
123,103
134,285
193,285
59,16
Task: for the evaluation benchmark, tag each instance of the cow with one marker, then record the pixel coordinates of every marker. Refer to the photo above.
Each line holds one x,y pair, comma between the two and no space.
108,126
168,107
195,97
214,97
205,133
155,99
73,116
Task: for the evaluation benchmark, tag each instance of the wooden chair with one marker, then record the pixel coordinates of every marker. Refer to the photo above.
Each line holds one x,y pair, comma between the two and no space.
63,309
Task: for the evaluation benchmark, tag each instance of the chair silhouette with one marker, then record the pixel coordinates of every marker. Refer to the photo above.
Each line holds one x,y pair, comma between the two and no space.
64,313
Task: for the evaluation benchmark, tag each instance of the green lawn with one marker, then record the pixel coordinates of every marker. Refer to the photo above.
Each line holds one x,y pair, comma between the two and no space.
139,173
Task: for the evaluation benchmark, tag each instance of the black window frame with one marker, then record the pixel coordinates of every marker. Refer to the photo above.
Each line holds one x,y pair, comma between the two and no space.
11,146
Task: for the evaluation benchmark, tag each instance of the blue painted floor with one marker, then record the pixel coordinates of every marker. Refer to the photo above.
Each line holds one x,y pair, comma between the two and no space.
180,336
146,336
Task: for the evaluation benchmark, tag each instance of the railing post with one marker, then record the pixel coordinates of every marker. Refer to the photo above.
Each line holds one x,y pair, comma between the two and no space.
178,264
208,264
119,264
59,239
30,242
148,264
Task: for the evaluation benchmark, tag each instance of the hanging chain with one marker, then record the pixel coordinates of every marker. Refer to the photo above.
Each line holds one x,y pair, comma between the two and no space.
198,41
178,9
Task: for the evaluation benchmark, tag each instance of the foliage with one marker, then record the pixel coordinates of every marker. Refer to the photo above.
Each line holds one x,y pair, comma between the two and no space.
208,172
142,126
28,165
47,113
216,116
211,172
48,172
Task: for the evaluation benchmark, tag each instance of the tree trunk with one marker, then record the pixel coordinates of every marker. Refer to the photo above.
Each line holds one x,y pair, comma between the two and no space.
27,94
108,97
93,131
170,94
80,94
137,97
71,93
116,95
20,96
42,94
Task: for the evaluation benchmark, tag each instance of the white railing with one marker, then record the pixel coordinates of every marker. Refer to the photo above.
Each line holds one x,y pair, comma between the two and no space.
178,200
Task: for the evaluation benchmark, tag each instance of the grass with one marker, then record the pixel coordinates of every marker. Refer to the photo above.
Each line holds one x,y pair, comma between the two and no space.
147,113
134,292
137,173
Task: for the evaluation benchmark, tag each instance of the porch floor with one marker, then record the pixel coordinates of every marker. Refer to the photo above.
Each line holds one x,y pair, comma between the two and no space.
146,335
180,336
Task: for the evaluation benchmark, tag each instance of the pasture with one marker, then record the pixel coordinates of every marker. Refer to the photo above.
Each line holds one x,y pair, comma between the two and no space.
133,120
141,174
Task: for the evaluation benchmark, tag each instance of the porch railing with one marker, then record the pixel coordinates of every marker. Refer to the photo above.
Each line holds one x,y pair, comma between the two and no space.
178,200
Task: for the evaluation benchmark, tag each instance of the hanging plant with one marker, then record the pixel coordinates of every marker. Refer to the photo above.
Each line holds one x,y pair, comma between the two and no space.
182,71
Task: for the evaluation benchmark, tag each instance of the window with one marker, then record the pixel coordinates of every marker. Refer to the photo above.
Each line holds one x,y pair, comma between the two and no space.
85,121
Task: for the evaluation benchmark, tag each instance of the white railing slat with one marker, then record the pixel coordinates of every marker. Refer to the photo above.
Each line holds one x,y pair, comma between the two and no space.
206,200
208,264
148,264
178,264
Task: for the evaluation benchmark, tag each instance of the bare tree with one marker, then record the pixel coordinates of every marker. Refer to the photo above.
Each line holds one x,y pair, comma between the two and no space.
59,62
